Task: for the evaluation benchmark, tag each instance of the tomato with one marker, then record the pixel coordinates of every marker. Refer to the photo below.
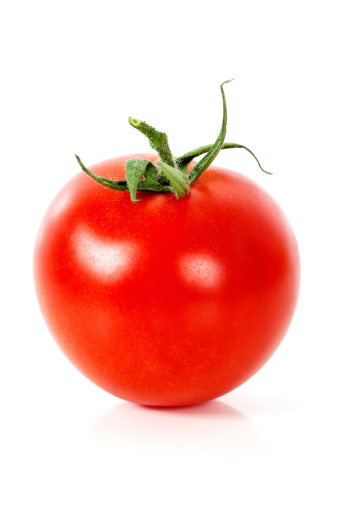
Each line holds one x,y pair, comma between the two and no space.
168,301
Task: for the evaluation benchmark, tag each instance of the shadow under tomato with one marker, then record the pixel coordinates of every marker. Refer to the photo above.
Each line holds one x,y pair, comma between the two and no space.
210,428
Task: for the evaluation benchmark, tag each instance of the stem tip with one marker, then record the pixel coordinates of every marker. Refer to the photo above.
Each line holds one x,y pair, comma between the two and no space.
228,81
134,122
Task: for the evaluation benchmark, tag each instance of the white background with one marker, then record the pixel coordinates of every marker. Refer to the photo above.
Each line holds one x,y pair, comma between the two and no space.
72,73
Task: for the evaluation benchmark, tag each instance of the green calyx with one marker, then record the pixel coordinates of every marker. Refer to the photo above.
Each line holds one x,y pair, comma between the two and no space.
168,174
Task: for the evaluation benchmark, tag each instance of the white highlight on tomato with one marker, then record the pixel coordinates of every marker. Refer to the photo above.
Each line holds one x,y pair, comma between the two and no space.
109,259
202,270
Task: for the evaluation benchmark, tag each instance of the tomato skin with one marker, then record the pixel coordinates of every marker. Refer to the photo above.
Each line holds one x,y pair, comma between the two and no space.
167,301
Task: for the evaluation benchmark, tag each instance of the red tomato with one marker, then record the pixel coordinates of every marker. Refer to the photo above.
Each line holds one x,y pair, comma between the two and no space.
167,301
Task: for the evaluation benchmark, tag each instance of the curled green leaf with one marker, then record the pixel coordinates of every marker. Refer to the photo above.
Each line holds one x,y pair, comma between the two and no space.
216,147
135,170
105,182
184,160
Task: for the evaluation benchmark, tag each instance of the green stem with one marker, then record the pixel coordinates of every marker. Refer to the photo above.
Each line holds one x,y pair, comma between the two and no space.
157,140
170,175
178,180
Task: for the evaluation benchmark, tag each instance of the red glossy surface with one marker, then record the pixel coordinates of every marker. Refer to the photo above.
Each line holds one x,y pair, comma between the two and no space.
167,301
